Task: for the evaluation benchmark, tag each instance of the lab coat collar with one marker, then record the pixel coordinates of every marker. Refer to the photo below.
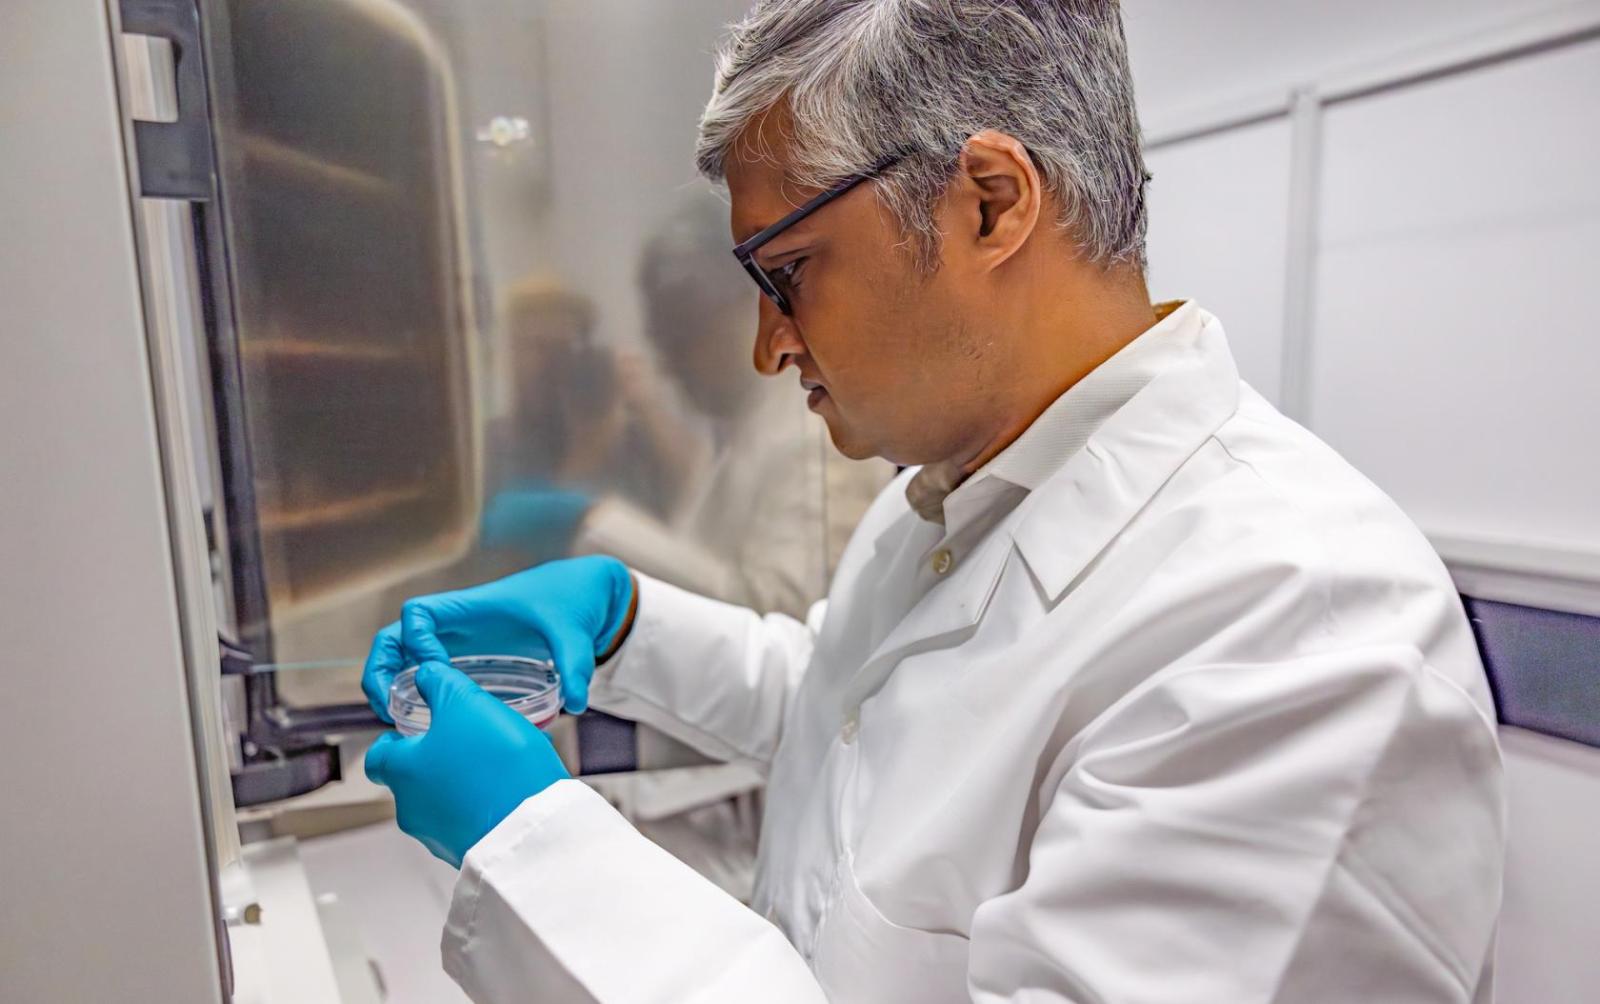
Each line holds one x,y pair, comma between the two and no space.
1152,409
1063,428
1189,387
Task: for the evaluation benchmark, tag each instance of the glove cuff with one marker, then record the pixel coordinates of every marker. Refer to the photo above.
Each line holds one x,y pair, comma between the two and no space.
621,609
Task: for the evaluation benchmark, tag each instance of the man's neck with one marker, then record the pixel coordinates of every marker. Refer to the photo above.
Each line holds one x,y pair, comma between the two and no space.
1066,340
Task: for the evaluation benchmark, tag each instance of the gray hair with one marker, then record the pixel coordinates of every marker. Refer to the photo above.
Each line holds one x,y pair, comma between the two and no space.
865,79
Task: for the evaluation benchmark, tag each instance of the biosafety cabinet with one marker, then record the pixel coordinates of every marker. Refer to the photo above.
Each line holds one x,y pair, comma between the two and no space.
372,298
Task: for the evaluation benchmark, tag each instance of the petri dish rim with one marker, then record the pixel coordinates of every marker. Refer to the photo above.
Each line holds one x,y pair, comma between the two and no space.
530,687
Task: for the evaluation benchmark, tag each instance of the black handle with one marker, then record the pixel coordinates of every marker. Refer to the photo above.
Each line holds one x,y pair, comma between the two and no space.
175,159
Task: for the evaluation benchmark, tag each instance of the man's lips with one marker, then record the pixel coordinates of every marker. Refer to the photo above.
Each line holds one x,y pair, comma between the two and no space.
815,392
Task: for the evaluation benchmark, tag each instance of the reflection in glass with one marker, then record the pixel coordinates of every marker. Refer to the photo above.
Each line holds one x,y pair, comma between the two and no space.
459,356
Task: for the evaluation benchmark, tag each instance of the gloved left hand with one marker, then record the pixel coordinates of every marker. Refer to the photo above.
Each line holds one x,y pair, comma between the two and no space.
538,521
477,762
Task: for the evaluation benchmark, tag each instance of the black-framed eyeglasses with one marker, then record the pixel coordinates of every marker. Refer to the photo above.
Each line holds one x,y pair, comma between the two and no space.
775,285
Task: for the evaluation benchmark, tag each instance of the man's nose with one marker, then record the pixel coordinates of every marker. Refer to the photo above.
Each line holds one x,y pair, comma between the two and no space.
777,339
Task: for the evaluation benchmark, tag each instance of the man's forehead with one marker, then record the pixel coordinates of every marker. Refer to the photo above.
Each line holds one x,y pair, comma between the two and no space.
760,194
759,182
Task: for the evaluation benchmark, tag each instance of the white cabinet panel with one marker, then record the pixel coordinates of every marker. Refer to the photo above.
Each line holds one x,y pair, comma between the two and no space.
1549,926
1218,224
1455,356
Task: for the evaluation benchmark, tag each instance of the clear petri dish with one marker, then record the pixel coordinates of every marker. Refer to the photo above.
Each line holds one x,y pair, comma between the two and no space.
530,687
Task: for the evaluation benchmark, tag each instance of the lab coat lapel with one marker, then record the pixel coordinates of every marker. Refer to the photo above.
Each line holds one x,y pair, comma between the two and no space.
944,616
1074,515
899,554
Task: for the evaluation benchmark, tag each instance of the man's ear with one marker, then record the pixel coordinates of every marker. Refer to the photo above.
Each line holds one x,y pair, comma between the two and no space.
999,195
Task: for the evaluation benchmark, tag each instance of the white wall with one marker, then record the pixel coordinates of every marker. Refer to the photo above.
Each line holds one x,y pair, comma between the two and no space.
1455,360
1454,239
1406,265
1220,212
1193,55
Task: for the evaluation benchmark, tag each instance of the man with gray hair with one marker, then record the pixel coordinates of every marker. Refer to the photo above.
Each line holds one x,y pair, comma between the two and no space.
1127,690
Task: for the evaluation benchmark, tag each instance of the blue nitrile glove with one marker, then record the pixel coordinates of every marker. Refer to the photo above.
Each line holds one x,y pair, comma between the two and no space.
572,611
476,763
536,519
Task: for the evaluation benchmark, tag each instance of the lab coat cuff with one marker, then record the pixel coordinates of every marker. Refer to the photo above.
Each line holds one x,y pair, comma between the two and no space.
656,601
707,673
565,901
508,857
630,684
524,821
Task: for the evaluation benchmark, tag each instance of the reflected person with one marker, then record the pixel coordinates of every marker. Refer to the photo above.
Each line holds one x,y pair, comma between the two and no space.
575,428
770,502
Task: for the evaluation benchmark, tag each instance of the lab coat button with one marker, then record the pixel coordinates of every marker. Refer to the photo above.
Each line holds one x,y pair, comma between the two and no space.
847,734
942,560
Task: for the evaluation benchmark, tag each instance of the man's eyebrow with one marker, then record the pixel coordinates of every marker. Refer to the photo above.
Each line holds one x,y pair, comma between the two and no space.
797,226
745,233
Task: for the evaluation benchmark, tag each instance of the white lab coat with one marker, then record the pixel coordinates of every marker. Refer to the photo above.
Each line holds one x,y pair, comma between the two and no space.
1199,720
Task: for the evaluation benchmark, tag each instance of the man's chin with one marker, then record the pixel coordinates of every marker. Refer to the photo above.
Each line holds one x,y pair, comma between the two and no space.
849,444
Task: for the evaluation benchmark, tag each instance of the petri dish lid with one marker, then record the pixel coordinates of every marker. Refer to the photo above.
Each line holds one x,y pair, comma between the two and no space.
530,687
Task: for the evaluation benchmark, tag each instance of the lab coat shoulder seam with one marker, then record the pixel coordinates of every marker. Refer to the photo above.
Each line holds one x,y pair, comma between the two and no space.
1334,571
1324,571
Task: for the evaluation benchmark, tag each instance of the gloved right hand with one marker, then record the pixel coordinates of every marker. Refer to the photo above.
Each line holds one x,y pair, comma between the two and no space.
576,611
477,762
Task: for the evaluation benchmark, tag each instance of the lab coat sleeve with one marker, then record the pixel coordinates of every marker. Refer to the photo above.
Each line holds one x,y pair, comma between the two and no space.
767,575
1228,832
564,901
716,676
